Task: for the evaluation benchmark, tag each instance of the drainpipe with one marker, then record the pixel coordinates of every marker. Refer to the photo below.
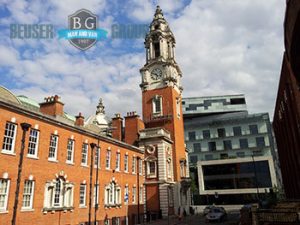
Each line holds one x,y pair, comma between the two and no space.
25,128
138,189
91,181
97,187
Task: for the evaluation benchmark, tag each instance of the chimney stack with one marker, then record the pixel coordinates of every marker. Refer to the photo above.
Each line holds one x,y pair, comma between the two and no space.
117,125
52,106
133,124
79,120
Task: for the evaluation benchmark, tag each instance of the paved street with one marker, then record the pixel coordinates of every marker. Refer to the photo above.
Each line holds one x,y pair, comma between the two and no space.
232,219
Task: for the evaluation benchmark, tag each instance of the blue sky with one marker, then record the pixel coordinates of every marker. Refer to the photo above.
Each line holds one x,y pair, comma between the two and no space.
222,47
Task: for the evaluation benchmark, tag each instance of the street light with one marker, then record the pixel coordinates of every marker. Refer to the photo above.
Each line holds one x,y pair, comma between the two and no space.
25,128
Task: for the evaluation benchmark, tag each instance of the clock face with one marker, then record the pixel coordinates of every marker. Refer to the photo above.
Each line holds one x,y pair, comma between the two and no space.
156,74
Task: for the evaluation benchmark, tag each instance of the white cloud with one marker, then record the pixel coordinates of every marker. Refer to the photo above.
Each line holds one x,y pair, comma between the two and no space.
223,47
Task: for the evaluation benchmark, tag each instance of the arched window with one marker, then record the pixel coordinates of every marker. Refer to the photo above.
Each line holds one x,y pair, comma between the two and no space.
157,105
112,194
58,194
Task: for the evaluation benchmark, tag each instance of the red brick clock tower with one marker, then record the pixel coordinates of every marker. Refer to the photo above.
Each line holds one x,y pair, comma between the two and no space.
162,115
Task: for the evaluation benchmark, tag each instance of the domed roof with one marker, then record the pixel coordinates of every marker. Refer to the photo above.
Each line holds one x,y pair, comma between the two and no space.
8,95
99,119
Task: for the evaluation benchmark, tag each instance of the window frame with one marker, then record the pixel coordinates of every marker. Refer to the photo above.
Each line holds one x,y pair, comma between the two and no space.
31,195
108,159
12,137
84,154
82,195
51,147
31,142
118,161
157,106
126,163
5,194
70,150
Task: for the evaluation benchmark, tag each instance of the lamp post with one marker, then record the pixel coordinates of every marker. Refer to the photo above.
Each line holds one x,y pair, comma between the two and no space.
25,128
93,145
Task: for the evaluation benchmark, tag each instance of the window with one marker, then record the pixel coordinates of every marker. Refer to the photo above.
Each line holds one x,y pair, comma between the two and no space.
151,169
206,134
260,142
118,159
97,158
193,159
178,107
169,168
82,195
221,132
140,167
182,168
58,194
197,147
244,143
126,163
134,195
53,147
84,154
212,146
4,188
240,154
9,137
227,145
70,151
253,129
133,164
141,194
209,157
224,156
126,194
237,131
192,136
112,195
156,49
157,105
33,143
115,221
28,194
96,195
107,159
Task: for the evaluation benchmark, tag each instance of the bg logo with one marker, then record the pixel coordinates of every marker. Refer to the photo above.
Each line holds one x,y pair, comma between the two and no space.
80,22
83,32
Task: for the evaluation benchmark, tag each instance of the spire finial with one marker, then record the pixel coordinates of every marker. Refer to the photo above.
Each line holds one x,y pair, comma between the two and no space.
100,107
158,13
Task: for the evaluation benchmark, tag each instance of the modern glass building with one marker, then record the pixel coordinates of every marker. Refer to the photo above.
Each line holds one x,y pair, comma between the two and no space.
231,152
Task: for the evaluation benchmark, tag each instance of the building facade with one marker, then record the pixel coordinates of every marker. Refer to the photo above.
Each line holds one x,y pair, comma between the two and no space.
60,169
65,179
286,121
232,150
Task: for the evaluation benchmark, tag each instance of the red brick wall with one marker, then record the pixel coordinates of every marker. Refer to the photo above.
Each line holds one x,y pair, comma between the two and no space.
286,127
43,170
133,124
174,126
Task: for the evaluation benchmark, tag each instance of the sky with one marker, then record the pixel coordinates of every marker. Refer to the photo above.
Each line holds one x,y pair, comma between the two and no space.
222,47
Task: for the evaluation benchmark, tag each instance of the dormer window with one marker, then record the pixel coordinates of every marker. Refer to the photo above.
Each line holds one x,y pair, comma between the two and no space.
157,105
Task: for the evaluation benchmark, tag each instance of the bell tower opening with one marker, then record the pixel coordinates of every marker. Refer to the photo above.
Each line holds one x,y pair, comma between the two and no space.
156,50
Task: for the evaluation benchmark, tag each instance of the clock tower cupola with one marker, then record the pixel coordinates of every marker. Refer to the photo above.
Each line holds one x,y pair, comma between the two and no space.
161,68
